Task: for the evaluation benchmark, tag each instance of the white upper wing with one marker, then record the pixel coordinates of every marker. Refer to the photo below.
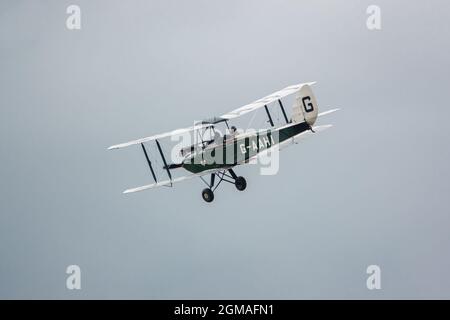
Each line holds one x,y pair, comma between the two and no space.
264,101
230,115
159,136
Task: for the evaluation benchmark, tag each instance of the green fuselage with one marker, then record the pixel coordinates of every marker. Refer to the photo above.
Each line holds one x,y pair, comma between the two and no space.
240,149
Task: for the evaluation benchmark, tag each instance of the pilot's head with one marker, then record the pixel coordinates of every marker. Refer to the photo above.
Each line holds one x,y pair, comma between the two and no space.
233,130
217,136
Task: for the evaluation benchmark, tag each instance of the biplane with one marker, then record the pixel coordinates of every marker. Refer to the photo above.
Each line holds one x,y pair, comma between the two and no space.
215,155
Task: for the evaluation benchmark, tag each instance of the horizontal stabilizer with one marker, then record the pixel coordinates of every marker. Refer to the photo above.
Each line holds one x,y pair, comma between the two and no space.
299,137
328,112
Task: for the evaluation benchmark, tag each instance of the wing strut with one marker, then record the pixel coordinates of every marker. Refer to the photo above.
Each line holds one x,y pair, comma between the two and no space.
149,163
164,160
284,112
268,114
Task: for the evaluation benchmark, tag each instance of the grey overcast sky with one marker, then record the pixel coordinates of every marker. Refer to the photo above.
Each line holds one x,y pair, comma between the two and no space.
372,190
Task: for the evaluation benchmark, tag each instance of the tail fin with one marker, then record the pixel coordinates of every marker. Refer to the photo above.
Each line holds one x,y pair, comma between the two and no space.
305,106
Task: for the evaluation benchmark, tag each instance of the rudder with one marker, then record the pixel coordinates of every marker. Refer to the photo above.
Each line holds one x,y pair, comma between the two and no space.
305,107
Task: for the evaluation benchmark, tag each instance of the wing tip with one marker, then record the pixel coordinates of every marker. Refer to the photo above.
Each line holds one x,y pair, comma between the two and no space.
133,190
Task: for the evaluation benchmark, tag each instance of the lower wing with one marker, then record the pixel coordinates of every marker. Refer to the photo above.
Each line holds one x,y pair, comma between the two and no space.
171,182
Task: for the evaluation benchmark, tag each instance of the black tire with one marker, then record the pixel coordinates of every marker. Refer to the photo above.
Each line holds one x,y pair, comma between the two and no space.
207,195
240,183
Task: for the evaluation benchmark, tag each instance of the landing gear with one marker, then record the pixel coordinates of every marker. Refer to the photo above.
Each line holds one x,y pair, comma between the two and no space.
207,195
240,183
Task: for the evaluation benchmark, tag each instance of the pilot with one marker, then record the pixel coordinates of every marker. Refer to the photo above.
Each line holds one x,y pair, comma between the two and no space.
217,137
232,133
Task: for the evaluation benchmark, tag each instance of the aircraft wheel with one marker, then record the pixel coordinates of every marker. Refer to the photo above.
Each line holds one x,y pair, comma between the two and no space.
240,183
207,195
